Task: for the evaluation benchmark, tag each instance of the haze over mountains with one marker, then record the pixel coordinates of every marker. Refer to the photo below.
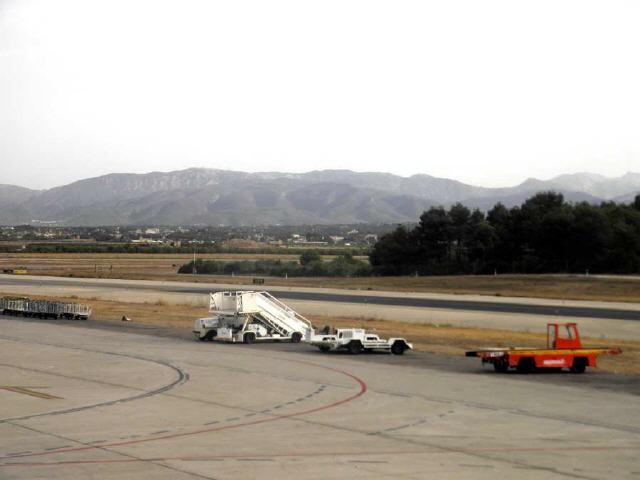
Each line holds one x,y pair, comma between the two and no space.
222,197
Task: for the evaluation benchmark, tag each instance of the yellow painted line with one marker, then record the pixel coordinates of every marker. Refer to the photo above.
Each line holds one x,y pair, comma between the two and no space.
29,391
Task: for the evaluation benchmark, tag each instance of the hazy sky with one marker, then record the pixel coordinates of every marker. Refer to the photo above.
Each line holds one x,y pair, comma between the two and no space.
487,92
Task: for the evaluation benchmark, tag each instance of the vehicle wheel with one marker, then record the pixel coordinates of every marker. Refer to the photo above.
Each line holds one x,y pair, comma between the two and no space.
324,348
355,347
296,337
501,366
203,339
209,336
526,365
398,348
579,365
249,337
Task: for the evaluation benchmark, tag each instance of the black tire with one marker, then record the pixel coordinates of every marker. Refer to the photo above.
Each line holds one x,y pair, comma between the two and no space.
579,365
296,337
526,365
325,348
249,337
501,366
398,347
355,347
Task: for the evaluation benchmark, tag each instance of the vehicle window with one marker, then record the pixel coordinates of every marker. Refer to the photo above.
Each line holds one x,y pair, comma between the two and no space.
566,332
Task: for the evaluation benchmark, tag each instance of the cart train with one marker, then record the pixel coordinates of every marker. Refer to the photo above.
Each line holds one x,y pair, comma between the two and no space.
28,307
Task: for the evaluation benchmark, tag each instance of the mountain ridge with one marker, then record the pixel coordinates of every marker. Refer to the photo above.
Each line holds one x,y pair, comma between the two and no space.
216,196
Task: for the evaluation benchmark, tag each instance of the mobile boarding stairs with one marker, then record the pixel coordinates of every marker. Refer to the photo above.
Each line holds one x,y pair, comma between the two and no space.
248,316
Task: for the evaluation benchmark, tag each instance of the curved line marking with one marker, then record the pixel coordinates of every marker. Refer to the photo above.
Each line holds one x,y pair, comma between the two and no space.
273,418
182,377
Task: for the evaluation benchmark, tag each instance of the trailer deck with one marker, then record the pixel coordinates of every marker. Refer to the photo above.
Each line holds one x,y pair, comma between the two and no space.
564,350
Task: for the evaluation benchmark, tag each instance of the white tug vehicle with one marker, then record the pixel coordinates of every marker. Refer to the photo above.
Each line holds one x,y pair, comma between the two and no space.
357,340
248,317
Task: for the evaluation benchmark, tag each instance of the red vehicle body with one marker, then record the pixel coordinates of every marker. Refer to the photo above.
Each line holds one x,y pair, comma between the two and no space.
564,350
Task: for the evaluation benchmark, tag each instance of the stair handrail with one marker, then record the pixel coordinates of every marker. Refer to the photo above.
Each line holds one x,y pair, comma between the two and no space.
285,307
280,315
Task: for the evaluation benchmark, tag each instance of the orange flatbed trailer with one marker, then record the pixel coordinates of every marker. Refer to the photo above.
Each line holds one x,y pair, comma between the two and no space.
564,350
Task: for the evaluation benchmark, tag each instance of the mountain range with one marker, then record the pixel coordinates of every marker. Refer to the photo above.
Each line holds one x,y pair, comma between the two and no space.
222,197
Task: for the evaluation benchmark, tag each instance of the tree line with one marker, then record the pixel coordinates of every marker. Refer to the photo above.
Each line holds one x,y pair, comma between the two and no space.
65,247
310,264
545,234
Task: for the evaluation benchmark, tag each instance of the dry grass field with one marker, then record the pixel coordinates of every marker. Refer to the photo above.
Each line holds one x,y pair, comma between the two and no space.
165,266
439,339
135,266
117,265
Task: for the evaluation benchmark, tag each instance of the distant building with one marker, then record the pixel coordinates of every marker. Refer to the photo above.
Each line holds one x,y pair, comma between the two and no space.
146,241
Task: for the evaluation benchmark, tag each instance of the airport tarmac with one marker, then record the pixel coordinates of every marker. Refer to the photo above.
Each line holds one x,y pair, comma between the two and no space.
615,320
86,400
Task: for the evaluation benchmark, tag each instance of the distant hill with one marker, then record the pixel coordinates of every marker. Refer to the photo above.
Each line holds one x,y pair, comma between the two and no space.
12,194
214,197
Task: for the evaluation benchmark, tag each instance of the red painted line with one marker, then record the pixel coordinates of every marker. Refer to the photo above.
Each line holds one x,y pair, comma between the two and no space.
273,418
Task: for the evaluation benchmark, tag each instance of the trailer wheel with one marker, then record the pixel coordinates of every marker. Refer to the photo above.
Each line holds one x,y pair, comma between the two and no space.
526,365
249,337
398,347
501,366
296,337
355,347
579,365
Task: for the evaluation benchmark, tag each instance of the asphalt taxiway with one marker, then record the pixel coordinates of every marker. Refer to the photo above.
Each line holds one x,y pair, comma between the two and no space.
98,400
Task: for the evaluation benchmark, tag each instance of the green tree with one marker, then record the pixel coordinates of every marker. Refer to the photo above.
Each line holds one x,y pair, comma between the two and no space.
310,256
395,253
459,232
433,236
